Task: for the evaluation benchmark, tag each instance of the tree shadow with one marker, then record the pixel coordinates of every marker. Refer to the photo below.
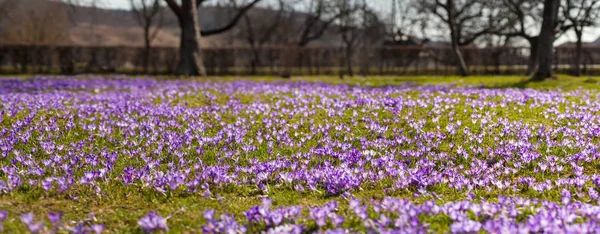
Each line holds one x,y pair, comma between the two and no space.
521,84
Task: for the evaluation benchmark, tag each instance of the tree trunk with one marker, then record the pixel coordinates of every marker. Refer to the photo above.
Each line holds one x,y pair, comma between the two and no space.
146,49
578,53
349,60
190,54
255,60
533,55
497,56
546,40
461,66
67,64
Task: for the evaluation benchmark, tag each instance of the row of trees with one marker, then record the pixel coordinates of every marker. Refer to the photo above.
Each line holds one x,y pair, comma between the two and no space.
353,20
538,22
286,22
37,25
355,23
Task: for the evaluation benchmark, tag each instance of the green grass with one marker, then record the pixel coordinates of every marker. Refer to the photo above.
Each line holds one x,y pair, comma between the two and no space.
560,81
564,82
121,206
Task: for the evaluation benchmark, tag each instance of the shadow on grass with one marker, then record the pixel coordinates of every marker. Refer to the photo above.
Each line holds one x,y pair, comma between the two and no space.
516,85
523,83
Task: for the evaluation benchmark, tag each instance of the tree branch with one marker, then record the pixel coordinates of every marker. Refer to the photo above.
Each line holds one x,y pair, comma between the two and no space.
175,8
474,37
269,32
232,23
200,2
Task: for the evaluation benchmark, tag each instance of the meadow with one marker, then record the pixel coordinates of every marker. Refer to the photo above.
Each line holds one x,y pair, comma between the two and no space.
119,154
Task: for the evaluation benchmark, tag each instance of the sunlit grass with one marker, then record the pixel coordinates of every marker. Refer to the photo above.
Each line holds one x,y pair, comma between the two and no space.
120,206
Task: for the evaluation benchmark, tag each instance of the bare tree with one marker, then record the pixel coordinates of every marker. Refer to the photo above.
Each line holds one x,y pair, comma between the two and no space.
358,26
578,15
525,15
34,26
320,15
406,20
546,39
259,29
190,55
466,21
44,24
72,6
349,29
148,14
316,18
5,6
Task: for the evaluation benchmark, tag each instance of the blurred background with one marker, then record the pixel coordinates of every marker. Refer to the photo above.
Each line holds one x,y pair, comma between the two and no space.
295,37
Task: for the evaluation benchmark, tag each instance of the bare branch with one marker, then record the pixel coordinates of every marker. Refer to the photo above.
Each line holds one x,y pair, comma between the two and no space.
233,21
146,12
176,8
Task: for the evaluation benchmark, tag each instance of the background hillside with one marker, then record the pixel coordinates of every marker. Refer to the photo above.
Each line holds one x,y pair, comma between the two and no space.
115,27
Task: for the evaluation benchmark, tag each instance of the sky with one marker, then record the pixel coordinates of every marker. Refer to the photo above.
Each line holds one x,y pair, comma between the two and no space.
384,5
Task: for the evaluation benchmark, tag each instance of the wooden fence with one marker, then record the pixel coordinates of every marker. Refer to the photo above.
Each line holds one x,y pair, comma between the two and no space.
416,60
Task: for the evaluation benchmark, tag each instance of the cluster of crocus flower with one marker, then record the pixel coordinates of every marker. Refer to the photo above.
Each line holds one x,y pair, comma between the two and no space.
394,215
56,223
153,222
67,137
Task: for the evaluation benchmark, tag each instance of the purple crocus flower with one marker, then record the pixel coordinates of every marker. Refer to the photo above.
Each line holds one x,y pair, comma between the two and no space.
28,219
97,228
209,214
566,196
54,217
3,215
152,222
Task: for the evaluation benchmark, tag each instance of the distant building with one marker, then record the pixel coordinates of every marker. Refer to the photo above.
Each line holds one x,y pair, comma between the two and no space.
573,44
400,39
566,53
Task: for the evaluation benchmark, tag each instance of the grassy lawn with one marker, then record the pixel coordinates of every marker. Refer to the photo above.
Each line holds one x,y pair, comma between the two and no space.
560,82
110,150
